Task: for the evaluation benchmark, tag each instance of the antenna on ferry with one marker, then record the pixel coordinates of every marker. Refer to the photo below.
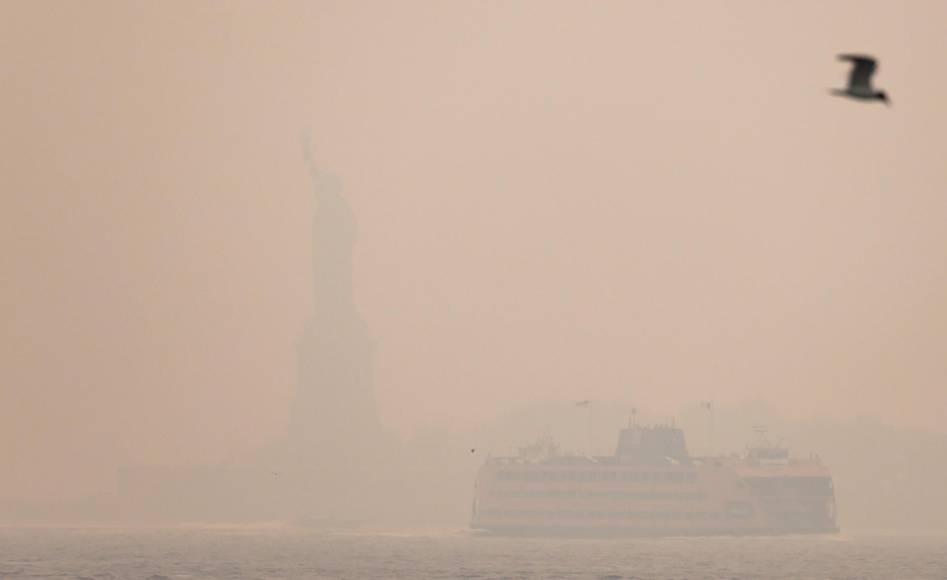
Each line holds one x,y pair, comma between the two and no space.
709,405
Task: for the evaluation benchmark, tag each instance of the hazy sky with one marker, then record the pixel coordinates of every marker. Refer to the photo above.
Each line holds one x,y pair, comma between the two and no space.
647,201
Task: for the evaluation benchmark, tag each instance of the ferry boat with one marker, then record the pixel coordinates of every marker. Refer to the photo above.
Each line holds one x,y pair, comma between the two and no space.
651,486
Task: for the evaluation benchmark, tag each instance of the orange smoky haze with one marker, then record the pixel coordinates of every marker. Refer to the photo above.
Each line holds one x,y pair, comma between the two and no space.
648,202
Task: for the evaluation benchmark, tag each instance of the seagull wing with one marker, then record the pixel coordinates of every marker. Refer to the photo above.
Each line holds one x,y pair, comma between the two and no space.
862,69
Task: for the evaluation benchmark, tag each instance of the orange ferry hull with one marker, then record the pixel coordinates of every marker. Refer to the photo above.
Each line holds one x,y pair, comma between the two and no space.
653,495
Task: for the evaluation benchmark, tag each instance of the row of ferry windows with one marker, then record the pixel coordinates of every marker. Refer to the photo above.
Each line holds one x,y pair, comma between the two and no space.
665,515
598,475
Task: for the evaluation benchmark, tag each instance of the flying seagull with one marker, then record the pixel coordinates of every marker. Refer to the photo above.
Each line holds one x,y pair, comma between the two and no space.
859,80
